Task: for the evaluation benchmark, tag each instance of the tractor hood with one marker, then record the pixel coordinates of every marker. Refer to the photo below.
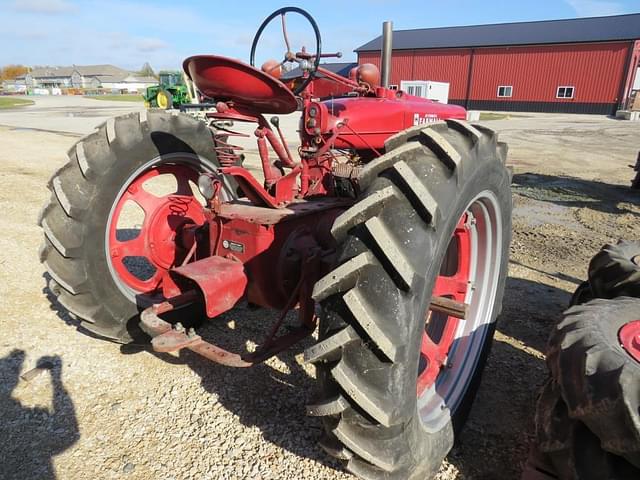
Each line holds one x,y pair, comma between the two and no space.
371,120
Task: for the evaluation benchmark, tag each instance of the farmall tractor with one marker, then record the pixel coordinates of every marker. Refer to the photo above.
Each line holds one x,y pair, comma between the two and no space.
387,229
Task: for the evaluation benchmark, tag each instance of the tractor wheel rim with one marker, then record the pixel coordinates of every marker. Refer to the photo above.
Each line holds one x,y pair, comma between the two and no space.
161,100
163,217
629,336
455,346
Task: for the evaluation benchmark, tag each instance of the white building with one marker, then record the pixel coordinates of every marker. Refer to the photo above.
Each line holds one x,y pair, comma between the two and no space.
107,77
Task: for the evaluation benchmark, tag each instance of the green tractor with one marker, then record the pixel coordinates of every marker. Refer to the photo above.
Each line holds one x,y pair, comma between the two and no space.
170,93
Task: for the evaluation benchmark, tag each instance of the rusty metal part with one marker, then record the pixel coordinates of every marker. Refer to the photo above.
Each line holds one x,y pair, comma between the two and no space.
226,152
167,338
369,75
449,307
346,170
221,280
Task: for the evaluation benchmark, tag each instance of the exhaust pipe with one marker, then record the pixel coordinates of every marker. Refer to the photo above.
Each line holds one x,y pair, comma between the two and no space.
385,60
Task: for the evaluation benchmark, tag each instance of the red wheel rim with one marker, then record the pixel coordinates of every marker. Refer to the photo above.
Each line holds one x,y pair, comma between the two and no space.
630,339
454,285
163,218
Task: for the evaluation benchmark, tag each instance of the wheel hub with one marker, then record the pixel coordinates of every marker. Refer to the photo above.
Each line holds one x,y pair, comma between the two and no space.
629,336
453,282
140,256
164,225
452,348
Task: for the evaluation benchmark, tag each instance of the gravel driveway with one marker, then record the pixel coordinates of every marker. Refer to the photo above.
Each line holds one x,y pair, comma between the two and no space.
99,410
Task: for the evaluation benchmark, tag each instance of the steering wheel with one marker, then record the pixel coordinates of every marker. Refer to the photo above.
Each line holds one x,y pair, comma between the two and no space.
301,58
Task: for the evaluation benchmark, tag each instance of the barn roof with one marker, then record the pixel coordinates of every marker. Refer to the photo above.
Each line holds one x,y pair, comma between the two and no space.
576,30
84,70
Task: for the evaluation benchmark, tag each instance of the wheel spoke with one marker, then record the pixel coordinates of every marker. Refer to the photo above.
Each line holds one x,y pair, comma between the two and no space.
163,215
450,286
431,352
129,248
145,200
428,346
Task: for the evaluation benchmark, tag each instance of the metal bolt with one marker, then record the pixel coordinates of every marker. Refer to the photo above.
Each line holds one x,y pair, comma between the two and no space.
191,333
179,328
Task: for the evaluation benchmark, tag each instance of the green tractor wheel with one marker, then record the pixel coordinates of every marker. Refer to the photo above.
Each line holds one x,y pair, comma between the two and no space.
164,99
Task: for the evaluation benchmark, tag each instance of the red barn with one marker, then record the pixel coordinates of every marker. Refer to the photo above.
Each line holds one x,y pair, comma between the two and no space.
584,65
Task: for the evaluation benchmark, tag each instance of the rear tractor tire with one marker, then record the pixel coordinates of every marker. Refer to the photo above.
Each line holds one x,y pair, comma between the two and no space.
615,270
107,237
396,379
594,356
567,449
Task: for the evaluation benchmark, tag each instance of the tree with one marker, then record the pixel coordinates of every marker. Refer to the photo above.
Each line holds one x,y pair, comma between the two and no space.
147,71
9,72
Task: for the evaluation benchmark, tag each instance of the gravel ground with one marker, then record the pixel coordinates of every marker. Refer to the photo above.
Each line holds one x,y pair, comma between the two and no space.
109,412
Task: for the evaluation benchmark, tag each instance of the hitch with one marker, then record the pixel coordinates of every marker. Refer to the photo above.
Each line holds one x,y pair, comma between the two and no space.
167,337
170,338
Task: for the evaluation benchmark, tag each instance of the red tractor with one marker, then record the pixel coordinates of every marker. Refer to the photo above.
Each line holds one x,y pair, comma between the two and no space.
388,230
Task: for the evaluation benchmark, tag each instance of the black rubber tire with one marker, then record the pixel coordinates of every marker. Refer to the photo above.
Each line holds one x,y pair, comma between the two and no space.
635,183
598,379
567,446
82,193
613,272
582,294
391,245
169,96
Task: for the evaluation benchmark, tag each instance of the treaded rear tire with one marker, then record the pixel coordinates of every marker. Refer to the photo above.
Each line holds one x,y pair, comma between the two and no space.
567,445
582,294
82,193
613,273
392,243
599,380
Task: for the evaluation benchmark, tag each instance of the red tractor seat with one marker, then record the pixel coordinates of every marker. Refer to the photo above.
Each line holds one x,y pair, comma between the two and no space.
223,78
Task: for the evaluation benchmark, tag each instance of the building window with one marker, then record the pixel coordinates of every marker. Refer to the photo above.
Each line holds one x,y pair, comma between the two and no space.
505,91
415,90
565,92
393,87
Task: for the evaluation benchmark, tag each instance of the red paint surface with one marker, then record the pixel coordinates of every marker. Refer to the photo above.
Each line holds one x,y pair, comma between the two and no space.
227,79
371,121
630,339
451,286
596,70
323,87
632,70
163,217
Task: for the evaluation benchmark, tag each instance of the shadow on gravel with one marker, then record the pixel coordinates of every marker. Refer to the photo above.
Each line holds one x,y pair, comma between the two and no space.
273,400
493,445
495,441
62,313
576,192
30,437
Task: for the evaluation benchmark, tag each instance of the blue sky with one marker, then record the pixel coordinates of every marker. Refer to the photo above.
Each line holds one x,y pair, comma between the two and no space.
163,32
